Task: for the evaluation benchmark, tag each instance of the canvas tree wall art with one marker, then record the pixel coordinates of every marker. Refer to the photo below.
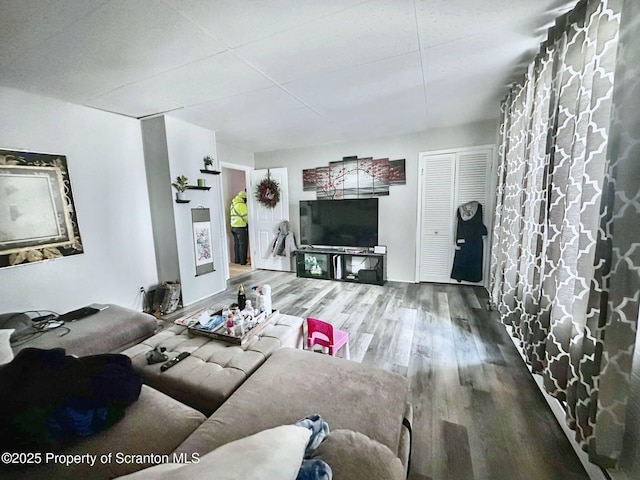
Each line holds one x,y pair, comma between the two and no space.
397,172
309,179
37,214
354,177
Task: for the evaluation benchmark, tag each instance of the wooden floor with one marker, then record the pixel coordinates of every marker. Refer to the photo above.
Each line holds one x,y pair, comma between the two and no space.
236,269
478,415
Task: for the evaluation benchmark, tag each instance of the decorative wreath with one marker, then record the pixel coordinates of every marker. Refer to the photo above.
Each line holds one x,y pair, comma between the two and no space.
268,192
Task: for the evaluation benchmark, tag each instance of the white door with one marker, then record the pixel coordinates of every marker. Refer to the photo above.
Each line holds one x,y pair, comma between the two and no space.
264,222
436,234
449,179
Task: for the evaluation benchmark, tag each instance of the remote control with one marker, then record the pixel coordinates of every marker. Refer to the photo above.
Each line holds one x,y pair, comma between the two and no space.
174,360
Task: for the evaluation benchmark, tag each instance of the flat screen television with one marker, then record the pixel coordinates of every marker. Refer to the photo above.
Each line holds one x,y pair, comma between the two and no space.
339,223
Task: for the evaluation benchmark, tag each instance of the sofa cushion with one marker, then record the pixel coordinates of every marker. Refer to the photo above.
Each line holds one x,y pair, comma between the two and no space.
274,454
213,371
155,424
353,456
292,383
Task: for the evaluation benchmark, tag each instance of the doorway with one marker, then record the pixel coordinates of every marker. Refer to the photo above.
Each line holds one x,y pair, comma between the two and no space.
234,180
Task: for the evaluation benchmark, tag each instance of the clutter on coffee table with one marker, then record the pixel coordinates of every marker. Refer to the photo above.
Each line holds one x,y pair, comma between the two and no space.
230,324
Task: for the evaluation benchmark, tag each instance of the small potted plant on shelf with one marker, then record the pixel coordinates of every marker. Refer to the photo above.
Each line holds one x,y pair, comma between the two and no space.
208,162
180,185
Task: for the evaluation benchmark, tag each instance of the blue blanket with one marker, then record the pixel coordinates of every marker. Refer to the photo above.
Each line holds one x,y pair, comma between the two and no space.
314,469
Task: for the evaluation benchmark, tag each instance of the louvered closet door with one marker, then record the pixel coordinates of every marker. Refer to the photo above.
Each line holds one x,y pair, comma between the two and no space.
472,183
436,238
471,178
448,180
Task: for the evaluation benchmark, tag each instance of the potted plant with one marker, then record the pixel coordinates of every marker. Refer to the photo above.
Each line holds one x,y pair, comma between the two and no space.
208,162
180,185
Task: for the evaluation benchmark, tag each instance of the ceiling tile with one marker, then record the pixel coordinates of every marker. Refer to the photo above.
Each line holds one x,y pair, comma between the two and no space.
133,101
219,76
441,21
362,86
485,54
250,109
120,43
238,22
27,24
274,114
455,101
372,31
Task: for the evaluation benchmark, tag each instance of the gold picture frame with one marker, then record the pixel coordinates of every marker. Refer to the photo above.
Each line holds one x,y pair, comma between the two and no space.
37,214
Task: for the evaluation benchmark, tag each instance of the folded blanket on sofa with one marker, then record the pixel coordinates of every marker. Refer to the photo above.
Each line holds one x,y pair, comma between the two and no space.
50,398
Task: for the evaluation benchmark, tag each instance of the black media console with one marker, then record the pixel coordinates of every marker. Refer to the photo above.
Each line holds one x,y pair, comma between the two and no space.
345,264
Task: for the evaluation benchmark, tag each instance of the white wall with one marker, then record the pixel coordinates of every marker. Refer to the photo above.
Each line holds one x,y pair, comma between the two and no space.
230,154
187,145
161,196
398,211
106,168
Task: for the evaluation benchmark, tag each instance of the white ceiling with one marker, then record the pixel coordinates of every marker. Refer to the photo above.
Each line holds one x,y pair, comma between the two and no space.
272,74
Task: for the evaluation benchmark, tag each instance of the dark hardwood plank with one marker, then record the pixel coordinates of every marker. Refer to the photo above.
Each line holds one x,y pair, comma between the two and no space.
456,447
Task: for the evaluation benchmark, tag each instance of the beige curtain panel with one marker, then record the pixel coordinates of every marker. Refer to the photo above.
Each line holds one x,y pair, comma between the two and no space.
565,267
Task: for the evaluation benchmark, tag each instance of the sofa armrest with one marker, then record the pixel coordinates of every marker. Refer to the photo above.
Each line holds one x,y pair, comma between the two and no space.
107,331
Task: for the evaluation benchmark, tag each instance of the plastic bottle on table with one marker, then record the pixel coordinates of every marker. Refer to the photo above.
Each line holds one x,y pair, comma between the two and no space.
229,322
266,291
258,300
248,315
238,322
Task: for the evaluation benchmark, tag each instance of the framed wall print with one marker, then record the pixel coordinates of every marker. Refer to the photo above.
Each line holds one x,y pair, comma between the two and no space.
37,214
201,220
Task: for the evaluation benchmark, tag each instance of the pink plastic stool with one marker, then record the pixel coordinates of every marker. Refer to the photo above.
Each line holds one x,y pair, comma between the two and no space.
322,333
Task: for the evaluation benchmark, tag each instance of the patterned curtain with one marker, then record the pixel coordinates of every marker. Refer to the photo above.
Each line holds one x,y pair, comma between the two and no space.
565,269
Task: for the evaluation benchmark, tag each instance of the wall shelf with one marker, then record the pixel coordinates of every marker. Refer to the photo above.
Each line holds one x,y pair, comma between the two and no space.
182,201
211,172
197,187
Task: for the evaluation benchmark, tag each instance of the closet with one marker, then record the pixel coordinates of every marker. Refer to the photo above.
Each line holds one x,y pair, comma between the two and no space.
448,179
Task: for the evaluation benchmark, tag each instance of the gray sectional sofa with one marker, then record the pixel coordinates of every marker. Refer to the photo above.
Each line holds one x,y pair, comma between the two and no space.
243,394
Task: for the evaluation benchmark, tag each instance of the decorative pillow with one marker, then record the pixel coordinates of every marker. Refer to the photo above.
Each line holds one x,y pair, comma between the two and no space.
275,454
354,455
6,353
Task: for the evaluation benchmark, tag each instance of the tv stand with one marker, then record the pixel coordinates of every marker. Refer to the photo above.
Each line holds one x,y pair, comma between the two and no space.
346,265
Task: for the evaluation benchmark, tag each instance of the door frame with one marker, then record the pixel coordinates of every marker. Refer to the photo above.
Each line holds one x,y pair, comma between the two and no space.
227,228
492,182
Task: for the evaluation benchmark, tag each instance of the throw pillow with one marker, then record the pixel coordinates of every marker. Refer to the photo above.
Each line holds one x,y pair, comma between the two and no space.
6,353
275,454
354,455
